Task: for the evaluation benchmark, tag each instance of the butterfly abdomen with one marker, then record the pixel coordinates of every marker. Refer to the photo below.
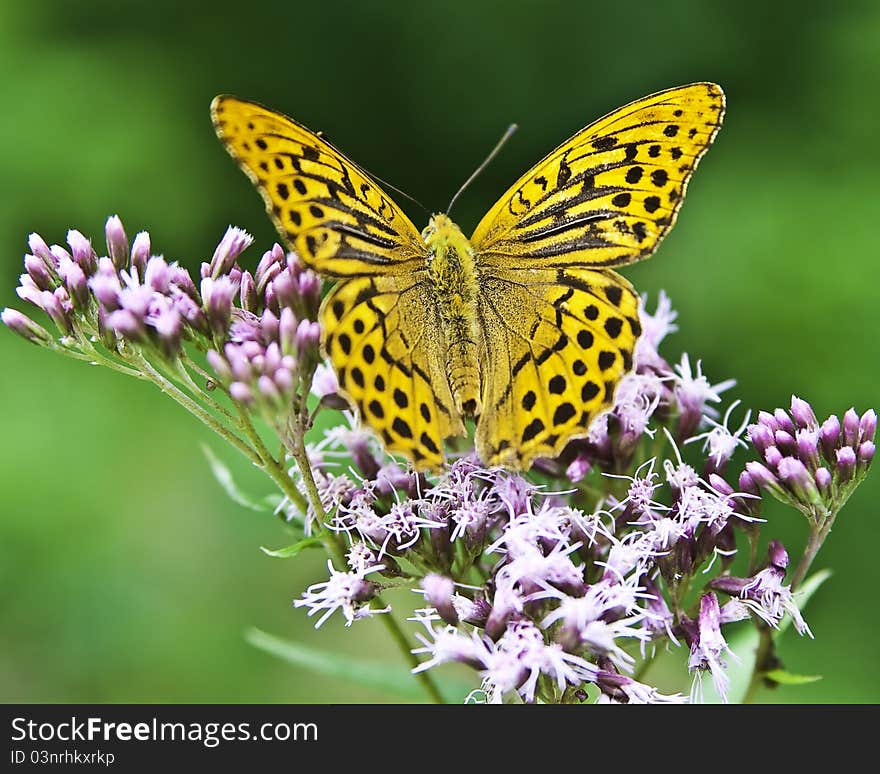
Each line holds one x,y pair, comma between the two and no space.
452,273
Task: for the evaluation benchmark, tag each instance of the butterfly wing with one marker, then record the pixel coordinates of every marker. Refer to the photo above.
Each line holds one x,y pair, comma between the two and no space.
607,196
557,343
381,335
336,218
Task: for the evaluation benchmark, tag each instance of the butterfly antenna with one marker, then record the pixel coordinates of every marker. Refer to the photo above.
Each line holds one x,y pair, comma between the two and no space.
397,190
504,138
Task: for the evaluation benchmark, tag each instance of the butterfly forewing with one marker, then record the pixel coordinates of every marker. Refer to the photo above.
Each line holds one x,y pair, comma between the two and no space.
338,220
607,196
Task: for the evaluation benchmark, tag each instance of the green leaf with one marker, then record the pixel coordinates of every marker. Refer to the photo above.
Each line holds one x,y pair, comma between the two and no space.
371,674
224,478
787,678
293,550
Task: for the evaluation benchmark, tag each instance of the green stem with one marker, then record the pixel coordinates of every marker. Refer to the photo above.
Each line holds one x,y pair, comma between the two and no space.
762,656
764,652
183,364
272,466
335,549
814,543
399,636
174,392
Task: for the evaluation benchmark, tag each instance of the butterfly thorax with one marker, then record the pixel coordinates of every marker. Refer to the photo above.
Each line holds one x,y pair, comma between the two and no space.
452,273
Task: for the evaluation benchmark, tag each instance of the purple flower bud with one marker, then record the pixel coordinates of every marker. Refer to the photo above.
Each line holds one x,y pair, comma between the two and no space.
181,280
39,248
77,285
797,478
803,413
310,288
57,306
324,382
768,420
241,392
25,327
157,274
136,299
868,425
846,462
235,241
169,327
248,293
749,503
82,250
217,295
829,437
308,334
268,389
785,441
287,331
269,267
252,350
269,300
238,363
140,252
866,452
284,380
60,255
28,291
295,264
783,421
269,327
578,468
285,289
117,242
439,593
39,272
760,475
747,484
720,485
808,447
773,456
272,357
126,324
219,364
851,427
761,436
730,585
777,555
190,311
823,479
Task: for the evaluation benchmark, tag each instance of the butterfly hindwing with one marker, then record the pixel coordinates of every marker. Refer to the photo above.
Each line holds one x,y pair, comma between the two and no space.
381,335
557,343
607,196
337,219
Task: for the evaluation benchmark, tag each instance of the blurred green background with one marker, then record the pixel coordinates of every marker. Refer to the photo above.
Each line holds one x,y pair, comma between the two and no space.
125,575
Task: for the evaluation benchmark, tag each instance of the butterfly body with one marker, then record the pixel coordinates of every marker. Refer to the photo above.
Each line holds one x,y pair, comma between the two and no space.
452,274
525,326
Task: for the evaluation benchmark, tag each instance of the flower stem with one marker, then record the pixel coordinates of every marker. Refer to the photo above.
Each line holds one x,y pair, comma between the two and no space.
399,636
335,549
814,543
173,391
763,655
